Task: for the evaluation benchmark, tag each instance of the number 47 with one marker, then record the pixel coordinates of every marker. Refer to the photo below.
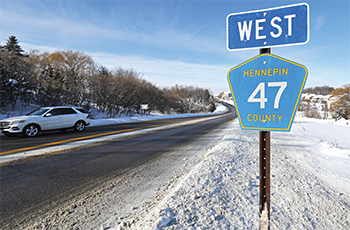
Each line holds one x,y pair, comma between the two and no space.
262,99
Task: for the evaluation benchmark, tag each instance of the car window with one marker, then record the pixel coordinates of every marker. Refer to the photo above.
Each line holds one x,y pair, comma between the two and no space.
81,110
37,112
65,111
55,112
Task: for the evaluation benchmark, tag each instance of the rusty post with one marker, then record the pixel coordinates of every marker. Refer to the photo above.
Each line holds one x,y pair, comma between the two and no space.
265,51
264,177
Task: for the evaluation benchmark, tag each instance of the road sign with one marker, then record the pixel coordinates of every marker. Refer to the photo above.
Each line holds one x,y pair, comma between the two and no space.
266,91
144,106
280,26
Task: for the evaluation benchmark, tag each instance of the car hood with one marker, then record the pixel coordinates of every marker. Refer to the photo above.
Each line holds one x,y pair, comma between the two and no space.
18,118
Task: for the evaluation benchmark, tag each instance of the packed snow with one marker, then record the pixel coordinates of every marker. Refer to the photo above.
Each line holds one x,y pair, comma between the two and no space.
310,184
153,116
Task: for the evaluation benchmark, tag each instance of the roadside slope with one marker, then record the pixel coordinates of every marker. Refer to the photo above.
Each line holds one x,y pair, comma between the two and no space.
222,192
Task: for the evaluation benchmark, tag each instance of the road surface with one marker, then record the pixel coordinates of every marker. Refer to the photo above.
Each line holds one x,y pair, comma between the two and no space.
33,187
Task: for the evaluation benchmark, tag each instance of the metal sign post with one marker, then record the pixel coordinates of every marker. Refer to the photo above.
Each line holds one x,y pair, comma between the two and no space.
264,185
266,89
264,175
143,107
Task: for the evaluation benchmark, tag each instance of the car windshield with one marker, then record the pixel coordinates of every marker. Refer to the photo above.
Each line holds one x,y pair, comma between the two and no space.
37,112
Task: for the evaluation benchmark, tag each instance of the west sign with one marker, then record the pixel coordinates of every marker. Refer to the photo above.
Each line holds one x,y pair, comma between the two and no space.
266,91
280,26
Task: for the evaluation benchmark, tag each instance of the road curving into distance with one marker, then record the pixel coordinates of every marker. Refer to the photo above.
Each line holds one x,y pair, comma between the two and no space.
11,145
32,187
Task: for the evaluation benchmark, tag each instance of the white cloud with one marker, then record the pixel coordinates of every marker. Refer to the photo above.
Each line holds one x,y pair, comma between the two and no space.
53,28
169,72
164,55
320,21
161,72
27,47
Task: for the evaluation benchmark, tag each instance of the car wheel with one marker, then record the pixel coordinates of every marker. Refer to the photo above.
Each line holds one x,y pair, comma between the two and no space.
79,126
31,130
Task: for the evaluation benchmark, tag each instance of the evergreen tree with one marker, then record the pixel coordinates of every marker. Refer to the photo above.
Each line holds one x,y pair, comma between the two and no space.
7,87
12,46
15,73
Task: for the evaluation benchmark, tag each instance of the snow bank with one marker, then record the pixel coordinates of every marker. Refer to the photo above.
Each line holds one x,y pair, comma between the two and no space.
310,183
153,116
331,142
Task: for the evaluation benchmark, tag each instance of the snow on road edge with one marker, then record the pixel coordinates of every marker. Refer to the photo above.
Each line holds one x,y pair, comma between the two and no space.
5,159
222,191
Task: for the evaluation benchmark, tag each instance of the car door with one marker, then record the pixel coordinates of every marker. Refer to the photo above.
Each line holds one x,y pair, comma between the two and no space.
69,117
52,119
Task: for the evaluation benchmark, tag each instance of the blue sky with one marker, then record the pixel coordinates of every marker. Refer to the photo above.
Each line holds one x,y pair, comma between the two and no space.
174,42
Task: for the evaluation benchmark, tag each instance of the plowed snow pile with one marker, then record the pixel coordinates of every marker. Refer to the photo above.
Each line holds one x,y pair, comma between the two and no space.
310,182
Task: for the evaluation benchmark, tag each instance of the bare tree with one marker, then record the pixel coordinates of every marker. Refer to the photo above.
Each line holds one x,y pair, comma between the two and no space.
340,107
319,90
72,78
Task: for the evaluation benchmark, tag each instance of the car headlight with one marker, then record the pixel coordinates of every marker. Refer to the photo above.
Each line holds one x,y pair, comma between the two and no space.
17,122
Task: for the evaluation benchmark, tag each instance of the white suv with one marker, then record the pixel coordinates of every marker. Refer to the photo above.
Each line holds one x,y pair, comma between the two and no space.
44,119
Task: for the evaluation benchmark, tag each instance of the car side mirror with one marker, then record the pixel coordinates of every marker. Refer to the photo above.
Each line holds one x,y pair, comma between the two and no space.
48,115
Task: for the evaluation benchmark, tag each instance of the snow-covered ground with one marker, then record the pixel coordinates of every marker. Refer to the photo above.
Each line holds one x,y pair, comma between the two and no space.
310,184
153,116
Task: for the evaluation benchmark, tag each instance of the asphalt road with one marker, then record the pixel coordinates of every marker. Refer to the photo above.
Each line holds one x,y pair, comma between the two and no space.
32,187
11,144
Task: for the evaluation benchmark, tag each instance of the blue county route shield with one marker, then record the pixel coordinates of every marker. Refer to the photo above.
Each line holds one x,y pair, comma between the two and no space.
266,90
